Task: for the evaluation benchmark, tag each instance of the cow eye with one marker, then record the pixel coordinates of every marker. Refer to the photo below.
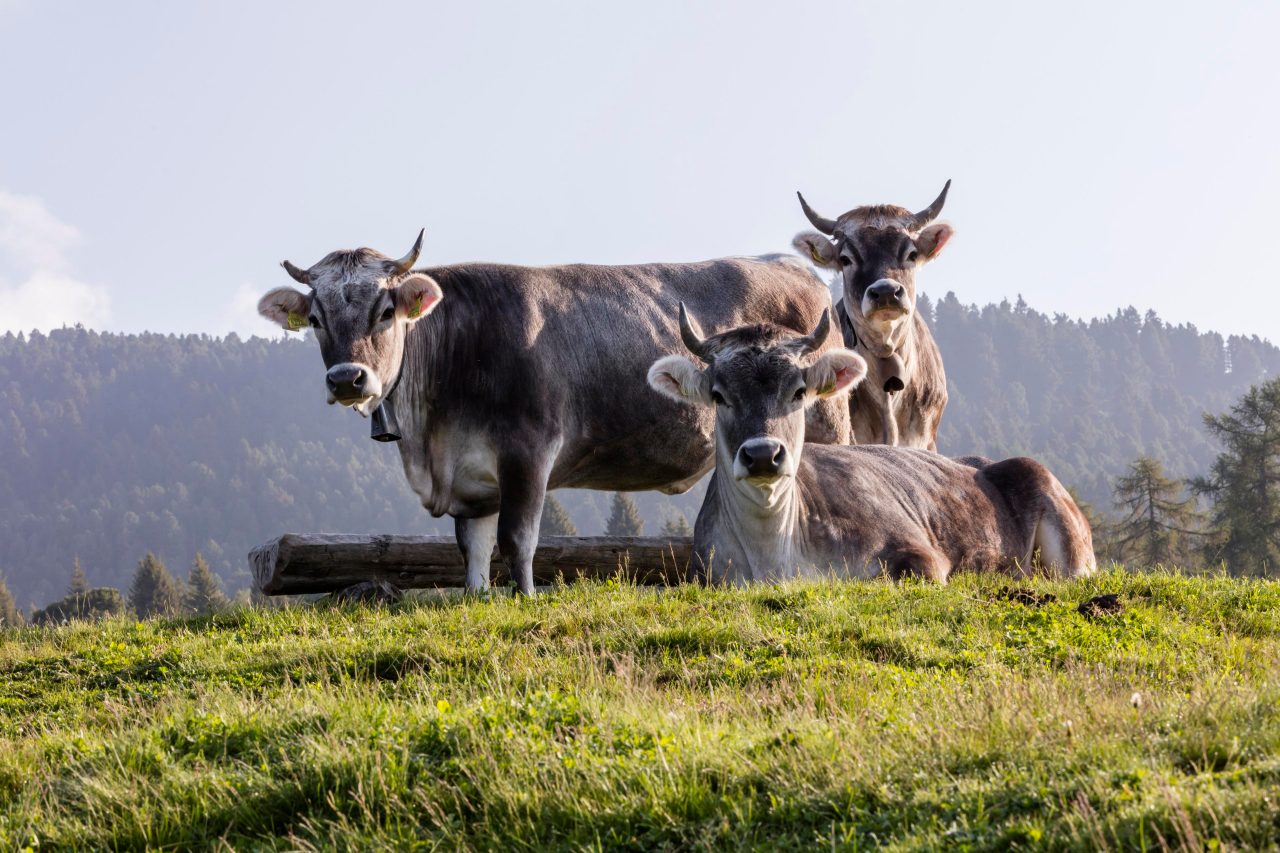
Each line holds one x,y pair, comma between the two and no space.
388,314
799,395
718,398
313,321
912,255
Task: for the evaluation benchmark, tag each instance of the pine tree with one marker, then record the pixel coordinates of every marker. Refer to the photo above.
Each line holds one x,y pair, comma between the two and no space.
154,591
1157,518
676,525
204,593
79,583
10,615
555,519
624,517
1244,482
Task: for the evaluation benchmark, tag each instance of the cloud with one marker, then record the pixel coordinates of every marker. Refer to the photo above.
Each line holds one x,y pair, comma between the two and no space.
37,287
241,315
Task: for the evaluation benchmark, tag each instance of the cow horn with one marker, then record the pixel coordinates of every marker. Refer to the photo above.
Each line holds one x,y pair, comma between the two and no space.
406,263
931,212
299,275
826,226
691,334
818,336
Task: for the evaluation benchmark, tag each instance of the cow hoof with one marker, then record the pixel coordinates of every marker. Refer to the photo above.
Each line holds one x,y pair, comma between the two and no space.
368,592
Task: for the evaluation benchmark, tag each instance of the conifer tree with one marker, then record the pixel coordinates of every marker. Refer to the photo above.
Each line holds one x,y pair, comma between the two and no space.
1244,482
204,593
154,591
1157,518
79,584
10,615
676,525
555,519
624,517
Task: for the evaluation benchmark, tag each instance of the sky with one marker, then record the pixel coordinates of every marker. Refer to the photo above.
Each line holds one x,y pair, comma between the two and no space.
158,160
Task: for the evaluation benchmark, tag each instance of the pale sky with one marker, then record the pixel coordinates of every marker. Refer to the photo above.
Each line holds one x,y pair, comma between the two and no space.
158,160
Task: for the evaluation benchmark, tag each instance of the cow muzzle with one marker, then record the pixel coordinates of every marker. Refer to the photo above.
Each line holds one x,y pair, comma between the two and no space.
887,296
760,460
352,385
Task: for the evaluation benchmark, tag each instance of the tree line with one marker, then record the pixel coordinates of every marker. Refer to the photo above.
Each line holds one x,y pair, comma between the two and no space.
1227,517
114,444
154,591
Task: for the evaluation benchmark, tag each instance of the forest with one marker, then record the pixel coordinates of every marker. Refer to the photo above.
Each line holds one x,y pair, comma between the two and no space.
116,446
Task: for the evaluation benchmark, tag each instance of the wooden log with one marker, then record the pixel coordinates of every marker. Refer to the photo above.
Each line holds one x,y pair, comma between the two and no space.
298,563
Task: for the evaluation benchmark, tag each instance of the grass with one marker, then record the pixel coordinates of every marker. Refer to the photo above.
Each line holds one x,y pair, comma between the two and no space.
604,716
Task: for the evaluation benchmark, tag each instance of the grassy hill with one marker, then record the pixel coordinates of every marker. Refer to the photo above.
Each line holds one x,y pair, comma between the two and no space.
605,716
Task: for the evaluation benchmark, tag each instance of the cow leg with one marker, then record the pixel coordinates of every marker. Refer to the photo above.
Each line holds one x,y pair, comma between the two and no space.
910,562
476,538
523,487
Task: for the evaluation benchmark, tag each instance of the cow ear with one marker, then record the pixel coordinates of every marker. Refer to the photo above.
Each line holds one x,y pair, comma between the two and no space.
816,248
835,374
932,239
286,307
680,379
416,297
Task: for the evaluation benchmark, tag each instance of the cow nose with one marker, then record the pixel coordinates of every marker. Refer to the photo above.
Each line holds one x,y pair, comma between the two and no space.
762,457
347,381
886,292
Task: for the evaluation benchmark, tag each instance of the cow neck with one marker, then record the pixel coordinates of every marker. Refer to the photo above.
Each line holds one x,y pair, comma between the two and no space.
766,539
892,363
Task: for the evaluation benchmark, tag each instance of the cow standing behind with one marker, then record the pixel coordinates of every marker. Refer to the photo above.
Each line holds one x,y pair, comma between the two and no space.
775,508
877,250
510,381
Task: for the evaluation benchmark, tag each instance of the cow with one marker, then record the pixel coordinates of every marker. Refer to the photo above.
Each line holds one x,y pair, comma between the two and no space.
876,251
501,382
776,509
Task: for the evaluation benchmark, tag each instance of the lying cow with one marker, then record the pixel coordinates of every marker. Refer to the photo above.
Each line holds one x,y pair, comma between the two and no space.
775,508
877,250
505,381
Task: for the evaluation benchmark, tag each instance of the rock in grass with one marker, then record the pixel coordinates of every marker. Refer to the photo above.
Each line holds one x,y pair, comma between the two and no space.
368,592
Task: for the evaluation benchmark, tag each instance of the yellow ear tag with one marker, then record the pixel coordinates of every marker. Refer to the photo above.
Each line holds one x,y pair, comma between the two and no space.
416,311
828,388
296,321
813,253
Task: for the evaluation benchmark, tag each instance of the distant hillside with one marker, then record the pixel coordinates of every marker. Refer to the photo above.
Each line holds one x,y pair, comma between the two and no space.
113,445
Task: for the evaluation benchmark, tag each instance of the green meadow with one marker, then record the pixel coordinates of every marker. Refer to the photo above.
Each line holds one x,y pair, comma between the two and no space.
988,714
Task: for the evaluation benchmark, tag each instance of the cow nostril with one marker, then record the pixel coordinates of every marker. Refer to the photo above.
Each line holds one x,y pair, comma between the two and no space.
779,455
358,381
898,291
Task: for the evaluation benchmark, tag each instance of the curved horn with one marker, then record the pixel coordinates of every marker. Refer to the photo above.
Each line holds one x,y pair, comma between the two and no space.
826,226
818,336
299,275
691,334
931,212
406,263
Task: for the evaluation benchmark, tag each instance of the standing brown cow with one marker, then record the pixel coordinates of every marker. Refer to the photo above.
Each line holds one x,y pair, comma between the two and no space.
877,250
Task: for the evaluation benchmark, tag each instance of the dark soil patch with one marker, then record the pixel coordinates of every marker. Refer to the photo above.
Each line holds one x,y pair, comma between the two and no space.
1101,605
1028,597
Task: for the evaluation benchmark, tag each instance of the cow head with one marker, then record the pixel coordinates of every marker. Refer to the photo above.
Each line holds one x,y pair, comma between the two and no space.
760,387
877,250
360,306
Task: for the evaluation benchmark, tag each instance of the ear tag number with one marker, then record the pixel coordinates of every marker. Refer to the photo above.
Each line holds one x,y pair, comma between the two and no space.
296,321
